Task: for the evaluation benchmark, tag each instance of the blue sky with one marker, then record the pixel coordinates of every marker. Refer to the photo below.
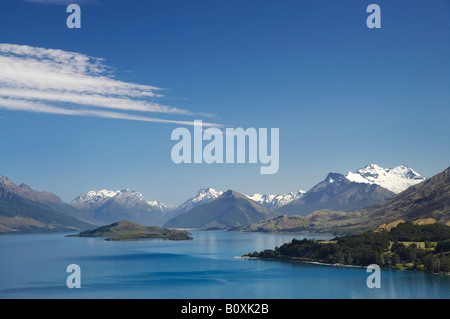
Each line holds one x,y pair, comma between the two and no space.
342,95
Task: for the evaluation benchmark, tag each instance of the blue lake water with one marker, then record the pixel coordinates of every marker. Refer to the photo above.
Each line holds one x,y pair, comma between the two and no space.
34,266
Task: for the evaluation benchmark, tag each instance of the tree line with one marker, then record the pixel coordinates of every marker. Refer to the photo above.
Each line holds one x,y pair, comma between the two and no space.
407,246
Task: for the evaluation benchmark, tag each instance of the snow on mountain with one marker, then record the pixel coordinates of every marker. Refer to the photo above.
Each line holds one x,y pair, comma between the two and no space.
395,179
92,197
275,201
125,197
204,195
129,197
162,206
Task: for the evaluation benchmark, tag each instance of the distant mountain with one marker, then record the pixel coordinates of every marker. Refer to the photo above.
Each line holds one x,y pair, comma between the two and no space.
203,196
24,210
276,201
25,191
106,207
230,209
337,193
362,188
162,206
395,179
44,197
93,199
424,203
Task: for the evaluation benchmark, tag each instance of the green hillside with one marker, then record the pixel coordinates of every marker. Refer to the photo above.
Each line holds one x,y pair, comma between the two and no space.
407,246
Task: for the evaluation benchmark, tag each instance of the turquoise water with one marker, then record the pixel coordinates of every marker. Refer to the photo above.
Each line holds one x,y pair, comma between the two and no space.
34,266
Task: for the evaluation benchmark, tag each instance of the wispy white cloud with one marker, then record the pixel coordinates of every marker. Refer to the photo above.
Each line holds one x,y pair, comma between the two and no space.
53,81
37,107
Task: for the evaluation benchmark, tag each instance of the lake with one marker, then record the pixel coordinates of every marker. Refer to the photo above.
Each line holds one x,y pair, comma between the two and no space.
34,266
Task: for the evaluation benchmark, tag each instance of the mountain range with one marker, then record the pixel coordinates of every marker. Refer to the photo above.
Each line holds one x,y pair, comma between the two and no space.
355,190
336,192
425,203
106,207
23,210
230,209
213,208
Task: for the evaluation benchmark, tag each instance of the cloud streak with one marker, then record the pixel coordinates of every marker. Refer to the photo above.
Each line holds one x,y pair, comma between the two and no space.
36,107
43,80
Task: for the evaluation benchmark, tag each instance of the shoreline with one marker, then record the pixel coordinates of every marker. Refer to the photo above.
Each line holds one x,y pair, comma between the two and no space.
300,261
332,265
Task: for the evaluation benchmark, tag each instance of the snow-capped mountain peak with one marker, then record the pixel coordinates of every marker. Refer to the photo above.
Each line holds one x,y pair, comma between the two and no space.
94,197
204,195
123,197
162,206
129,197
395,179
276,201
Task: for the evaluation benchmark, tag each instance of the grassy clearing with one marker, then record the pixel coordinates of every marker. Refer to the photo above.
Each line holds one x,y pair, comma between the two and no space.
420,244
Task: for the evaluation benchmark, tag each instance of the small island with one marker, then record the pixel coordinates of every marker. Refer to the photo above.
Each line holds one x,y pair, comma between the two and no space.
124,230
